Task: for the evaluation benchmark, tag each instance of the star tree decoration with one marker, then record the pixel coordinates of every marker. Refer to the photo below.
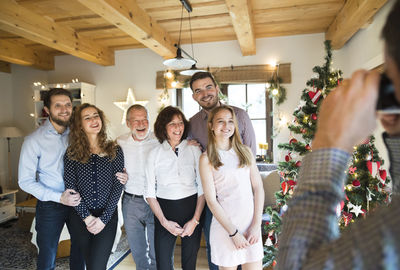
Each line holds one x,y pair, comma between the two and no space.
130,100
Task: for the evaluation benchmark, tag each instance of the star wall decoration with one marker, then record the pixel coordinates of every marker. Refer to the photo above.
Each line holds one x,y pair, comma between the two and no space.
130,100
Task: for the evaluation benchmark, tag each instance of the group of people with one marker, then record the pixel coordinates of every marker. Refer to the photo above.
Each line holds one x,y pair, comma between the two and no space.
201,174
184,177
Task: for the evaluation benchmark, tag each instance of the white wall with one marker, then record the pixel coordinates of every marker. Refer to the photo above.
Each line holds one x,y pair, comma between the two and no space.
365,50
6,119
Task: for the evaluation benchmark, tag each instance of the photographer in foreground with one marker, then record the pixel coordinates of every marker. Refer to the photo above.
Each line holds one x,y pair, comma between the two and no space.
310,236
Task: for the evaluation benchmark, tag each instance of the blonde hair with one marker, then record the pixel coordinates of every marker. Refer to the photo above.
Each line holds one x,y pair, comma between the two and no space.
243,152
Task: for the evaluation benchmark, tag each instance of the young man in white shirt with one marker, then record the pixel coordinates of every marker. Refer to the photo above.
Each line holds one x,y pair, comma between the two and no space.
138,217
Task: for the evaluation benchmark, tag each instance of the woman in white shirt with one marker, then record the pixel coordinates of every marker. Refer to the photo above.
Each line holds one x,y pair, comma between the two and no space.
174,190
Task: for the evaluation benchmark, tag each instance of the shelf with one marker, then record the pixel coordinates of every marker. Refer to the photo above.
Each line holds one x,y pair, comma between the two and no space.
80,92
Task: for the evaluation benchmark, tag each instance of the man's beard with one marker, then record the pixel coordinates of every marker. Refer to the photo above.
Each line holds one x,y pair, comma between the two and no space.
211,104
58,121
140,137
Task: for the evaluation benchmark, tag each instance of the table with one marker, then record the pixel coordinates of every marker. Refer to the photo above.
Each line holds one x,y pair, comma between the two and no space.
266,167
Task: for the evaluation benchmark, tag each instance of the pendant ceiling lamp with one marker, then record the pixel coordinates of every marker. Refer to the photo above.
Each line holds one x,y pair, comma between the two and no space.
179,62
191,71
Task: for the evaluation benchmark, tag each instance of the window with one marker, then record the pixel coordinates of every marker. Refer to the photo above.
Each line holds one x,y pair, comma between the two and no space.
252,98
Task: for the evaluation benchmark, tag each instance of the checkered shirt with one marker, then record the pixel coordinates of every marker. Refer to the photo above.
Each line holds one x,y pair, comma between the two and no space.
310,236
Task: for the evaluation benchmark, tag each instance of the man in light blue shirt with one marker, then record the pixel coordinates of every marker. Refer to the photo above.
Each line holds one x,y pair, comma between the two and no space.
41,174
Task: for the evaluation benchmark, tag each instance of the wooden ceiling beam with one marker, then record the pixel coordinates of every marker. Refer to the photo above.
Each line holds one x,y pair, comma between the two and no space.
134,21
353,16
241,15
18,20
16,53
5,67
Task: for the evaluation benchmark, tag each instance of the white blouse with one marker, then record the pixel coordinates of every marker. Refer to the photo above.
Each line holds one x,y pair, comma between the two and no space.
170,176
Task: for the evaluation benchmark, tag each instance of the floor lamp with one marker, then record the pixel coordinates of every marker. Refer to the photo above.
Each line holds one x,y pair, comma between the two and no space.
10,132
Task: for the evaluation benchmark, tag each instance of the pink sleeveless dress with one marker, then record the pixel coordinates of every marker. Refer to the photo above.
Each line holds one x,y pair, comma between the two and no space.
235,195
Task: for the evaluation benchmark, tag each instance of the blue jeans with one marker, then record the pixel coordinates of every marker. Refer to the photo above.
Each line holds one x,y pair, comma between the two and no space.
206,228
139,227
50,219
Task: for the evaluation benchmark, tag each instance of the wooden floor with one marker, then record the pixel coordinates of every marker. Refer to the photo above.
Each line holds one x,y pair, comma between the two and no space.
129,264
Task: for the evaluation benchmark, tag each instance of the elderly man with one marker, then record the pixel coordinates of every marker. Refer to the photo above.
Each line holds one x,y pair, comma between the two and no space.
138,217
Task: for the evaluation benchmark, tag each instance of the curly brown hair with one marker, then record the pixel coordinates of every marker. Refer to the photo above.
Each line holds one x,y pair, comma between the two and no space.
163,118
79,146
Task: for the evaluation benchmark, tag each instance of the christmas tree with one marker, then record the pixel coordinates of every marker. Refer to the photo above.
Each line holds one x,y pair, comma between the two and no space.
365,182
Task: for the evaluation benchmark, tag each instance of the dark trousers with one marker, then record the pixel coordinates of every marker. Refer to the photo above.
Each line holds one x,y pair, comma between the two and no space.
50,220
180,211
96,249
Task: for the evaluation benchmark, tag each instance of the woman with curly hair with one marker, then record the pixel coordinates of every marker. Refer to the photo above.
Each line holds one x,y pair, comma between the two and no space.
234,193
174,190
90,166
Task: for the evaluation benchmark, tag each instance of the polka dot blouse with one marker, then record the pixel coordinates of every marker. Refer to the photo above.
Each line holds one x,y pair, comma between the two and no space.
96,183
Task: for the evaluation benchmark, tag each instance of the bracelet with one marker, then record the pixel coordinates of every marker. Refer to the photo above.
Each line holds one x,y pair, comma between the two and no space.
232,235
195,221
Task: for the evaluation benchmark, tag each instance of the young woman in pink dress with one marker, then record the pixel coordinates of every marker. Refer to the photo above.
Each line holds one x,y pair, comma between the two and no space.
234,193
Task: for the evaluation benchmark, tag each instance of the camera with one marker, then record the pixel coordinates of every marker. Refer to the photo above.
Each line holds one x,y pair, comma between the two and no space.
387,102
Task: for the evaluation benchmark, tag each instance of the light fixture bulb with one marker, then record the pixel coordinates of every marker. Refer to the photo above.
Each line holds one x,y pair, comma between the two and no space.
169,75
174,84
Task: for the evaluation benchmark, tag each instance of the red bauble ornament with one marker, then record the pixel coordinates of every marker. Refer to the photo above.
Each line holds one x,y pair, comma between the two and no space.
298,163
303,130
292,141
288,157
308,147
314,116
356,183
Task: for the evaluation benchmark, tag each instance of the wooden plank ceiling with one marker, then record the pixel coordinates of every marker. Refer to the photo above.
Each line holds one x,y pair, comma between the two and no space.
32,32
